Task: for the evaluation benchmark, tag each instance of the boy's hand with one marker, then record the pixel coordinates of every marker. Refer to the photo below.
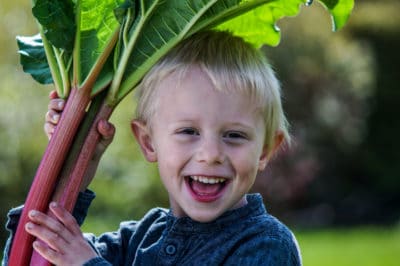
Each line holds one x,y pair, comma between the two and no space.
63,242
55,108
105,129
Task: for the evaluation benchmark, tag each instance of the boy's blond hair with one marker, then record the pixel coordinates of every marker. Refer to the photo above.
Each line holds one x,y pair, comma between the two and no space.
232,64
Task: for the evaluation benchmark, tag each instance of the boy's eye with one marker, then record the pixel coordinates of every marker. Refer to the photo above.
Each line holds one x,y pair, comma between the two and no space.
189,131
235,135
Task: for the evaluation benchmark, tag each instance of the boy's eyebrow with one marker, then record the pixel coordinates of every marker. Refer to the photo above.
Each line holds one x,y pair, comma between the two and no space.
242,126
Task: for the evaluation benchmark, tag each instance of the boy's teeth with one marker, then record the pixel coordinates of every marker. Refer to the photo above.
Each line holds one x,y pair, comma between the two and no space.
207,180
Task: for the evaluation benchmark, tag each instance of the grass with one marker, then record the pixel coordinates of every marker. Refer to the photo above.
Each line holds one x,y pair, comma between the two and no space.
366,246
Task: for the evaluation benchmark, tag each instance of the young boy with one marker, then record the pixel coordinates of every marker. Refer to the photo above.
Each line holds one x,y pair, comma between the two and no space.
210,115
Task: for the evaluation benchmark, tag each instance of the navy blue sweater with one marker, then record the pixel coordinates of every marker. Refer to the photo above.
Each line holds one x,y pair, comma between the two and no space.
244,236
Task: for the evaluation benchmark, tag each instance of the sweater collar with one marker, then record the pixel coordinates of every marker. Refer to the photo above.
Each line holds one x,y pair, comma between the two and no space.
254,207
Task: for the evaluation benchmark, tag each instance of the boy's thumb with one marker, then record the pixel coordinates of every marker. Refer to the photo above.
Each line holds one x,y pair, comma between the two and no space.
107,132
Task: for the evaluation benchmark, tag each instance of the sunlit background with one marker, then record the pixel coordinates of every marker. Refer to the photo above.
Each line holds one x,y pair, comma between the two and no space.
337,187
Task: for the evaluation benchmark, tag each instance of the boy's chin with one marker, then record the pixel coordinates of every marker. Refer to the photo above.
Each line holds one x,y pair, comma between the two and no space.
204,218
211,213
206,215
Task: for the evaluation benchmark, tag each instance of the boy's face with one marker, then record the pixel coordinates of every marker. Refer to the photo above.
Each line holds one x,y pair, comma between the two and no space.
209,145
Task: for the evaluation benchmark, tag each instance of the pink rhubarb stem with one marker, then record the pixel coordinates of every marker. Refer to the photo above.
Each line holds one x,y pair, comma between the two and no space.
73,181
67,195
46,176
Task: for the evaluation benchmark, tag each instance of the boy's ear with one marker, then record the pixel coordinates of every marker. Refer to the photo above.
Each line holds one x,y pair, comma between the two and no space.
267,151
143,137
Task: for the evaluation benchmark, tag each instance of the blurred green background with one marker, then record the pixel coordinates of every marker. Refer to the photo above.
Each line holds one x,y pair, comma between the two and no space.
337,187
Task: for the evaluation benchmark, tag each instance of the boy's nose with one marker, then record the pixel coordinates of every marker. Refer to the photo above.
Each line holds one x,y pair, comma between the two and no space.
210,152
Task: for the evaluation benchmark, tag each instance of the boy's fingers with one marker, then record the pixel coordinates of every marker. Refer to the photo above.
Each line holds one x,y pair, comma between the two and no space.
52,117
66,218
53,94
49,228
53,239
107,132
51,120
106,129
43,219
45,251
56,104
49,129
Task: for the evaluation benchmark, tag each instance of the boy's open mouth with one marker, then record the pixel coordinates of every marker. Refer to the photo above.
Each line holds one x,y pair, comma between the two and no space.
206,189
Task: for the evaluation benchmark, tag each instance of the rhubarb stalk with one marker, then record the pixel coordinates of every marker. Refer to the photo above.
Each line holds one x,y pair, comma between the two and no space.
46,176
72,176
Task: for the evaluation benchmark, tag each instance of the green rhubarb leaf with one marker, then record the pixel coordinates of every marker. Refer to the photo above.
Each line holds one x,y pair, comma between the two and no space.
147,30
97,28
33,58
258,26
122,11
126,15
224,10
104,78
161,30
58,21
340,11
175,20
131,28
